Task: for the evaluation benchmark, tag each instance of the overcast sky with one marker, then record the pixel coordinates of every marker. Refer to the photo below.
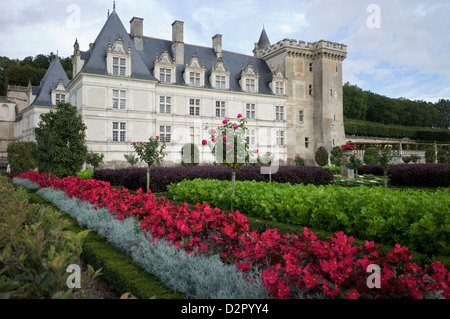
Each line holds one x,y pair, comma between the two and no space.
397,48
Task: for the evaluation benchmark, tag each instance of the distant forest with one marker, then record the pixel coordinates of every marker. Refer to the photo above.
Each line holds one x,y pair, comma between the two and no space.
372,107
358,104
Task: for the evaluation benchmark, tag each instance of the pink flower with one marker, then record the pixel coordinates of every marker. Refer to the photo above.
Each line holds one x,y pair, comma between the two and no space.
256,151
225,121
204,142
239,115
228,144
90,157
235,126
148,142
157,137
141,142
134,143
224,137
213,131
214,139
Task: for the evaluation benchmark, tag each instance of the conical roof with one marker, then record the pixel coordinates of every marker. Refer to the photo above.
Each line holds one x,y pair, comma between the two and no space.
263,42
54,74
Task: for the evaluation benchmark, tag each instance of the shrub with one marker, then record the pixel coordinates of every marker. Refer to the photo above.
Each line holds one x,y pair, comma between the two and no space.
131,159
134,178
443,156
321,156
371,156
336,155
20,156
430,156
299,161
36,249
94,159
420,175
87,174
371,169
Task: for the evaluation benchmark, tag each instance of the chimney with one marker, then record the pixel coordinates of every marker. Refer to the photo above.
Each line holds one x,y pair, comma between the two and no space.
217,45
137,32
177,42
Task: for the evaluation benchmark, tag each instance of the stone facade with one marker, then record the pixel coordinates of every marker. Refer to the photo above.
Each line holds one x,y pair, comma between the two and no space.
128,87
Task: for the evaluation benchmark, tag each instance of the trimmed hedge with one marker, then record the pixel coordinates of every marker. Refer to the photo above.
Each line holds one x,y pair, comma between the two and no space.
371,169
420,175
20,156
161,177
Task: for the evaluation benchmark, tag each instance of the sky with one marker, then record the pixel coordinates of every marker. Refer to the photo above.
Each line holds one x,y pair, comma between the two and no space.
396,48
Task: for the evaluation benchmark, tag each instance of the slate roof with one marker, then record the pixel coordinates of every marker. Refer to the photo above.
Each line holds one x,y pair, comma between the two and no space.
263,42
55,72
143,61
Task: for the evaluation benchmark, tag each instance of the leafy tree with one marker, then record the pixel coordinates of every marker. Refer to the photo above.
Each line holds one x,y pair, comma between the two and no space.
131,159
336,155
354,102
321,156
430,156
21,75
5,63
61,141
354,163
151,152
443,110
385,159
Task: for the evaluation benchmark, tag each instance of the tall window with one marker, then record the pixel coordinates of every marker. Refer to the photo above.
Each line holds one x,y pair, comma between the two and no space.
165,104
310,89
280,138
220,82
279,113
310,66
165,75
250,137
60,97
119,99
165,133
279,88
306,142
250,109
220,108
300,116
250,85
119,66
194,78
194,107
119,131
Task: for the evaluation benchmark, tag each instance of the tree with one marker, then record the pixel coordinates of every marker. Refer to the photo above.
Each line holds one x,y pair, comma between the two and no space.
354,163
20,156
336,156
61,141
354,102
150,152
385,160
229,147
371,156
443,110
131,159
94,159
321,156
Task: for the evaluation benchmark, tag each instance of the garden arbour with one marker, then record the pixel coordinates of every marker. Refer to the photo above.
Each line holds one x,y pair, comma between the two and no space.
289,263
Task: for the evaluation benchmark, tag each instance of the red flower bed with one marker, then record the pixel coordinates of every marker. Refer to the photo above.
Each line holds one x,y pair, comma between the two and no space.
289,263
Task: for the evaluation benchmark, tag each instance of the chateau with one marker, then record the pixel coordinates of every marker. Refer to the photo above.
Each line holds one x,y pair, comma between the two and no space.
128,87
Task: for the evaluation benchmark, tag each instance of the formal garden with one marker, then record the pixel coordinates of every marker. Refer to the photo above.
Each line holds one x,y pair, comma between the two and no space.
241,228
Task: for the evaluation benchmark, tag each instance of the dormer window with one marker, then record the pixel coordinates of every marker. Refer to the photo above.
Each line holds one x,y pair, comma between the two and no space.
164,68
59,93
278,83
194,72
249,79
60,98
118,58
220,75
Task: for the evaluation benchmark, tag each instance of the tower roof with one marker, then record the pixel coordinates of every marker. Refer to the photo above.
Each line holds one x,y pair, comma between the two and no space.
54,74
263,42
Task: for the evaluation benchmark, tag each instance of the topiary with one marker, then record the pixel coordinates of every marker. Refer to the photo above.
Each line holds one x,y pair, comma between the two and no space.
430,156
371,156
321,156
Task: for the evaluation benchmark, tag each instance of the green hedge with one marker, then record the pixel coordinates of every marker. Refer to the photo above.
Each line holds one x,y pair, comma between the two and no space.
20,156
413,218
364,128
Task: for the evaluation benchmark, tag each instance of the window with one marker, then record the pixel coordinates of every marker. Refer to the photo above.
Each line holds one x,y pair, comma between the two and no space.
306,142
310,89
250,137
60,97
279,113
119,99
165,104
250,108
250,85
310,66
220,82
165,75
194,107
220,108
331,92
119,131
279,88
300,116
164,133
195,135
119,66
280,138
194,78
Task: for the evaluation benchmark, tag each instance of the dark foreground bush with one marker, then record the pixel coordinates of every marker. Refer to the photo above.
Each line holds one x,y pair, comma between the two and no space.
135,178
420,175
370,169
